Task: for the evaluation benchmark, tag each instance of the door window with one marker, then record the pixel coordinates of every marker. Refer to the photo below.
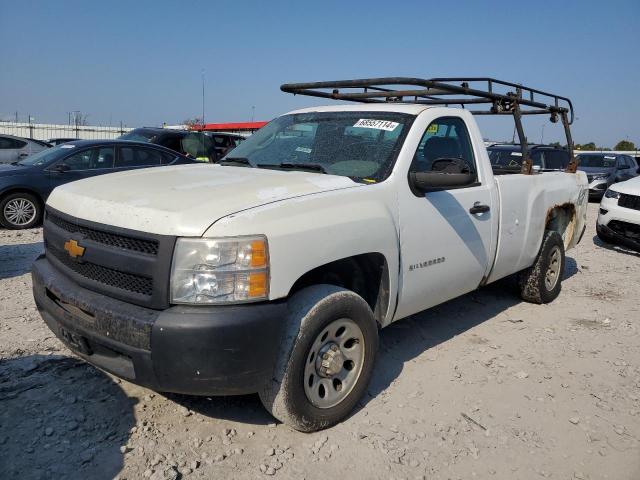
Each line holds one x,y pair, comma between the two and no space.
172,142
197,145
91,159
131,157
11,143
445,139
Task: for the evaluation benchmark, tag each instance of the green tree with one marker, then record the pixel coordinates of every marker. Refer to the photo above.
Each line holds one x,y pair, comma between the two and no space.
586,146
624,145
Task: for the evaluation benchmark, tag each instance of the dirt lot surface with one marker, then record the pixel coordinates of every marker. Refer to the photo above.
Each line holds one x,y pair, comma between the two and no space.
485,386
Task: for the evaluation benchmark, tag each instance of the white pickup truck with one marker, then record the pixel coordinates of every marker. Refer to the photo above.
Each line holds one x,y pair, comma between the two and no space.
273,271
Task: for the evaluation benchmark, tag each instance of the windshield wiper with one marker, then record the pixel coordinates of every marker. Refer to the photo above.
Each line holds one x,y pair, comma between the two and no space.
313,167
235,161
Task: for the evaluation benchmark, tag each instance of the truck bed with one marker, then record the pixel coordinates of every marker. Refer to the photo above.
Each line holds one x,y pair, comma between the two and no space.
522,220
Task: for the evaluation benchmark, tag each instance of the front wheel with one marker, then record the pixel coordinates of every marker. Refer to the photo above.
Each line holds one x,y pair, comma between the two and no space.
326,359
541,282
19,211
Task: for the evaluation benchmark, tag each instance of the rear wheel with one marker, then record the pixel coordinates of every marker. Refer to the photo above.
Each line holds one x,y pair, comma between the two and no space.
542,282
20,210
326,359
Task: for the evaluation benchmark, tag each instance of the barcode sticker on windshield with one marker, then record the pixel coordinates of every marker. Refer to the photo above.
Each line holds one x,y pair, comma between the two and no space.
377,124
303,150
608,157
67,146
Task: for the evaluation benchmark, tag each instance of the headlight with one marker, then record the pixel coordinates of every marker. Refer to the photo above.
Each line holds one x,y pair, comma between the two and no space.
220,270
611,194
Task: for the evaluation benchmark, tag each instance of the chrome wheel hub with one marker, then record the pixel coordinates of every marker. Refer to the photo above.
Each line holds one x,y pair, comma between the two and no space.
329,361
553,271
334,363
19,211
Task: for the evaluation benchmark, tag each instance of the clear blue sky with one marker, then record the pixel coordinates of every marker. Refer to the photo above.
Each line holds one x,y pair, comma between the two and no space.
141,62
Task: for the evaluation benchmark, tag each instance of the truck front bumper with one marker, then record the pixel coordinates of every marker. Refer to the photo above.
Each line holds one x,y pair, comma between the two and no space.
198,350
619,223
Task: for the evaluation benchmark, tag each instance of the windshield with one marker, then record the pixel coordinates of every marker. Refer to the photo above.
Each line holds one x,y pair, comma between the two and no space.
359,145
45,156
501,157
139,135
597,161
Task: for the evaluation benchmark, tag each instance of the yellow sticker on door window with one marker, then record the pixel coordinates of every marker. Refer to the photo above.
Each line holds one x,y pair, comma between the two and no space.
433,128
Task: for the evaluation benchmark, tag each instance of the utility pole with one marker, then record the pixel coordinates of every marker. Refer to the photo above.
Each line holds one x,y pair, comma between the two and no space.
203,98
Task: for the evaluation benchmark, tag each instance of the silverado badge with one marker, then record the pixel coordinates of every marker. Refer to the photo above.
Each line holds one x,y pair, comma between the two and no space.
73,249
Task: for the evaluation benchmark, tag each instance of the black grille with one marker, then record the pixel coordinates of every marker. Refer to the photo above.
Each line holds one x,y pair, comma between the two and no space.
111,239
629,201
104,275
626,229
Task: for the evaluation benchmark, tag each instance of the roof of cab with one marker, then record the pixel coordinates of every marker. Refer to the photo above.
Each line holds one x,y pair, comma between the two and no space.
412,109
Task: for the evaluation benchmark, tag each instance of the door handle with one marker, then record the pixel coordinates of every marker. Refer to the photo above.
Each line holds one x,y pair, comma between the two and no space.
479,208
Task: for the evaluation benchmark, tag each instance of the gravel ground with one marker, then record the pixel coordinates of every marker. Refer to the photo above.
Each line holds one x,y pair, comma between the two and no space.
484,386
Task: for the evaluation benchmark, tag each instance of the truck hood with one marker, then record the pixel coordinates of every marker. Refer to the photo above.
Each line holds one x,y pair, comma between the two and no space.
184,200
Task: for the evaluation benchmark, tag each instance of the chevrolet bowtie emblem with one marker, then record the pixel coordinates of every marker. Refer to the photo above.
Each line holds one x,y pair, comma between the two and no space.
73,249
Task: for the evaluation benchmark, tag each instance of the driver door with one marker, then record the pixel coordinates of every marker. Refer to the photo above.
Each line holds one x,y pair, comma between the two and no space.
83,164
446,234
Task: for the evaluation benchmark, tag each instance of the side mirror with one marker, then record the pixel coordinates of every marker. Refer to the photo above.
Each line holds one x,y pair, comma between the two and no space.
61,168
426,181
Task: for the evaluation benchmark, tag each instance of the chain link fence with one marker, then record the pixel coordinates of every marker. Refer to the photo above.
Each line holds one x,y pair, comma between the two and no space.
44,131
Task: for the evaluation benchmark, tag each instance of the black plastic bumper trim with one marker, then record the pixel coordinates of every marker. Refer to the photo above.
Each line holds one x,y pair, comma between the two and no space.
200,350
627,242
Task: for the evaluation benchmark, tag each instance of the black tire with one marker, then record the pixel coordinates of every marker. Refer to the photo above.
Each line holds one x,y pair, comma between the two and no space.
534,282
312,310
16,223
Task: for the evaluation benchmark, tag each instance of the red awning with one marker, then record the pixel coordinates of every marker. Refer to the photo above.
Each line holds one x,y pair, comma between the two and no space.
231,126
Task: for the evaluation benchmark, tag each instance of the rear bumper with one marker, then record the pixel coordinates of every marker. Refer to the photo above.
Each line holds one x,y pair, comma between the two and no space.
203,350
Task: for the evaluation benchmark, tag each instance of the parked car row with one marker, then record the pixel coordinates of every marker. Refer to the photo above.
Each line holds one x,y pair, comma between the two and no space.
203,146
605,169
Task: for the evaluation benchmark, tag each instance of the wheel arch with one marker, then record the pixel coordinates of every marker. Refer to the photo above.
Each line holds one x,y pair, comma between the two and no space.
562,219
366,274
22,189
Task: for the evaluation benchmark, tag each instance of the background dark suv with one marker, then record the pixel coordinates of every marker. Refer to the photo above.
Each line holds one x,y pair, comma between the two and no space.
507,158
205,147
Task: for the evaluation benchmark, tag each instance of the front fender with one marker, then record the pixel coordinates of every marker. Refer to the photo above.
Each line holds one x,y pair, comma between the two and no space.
310,231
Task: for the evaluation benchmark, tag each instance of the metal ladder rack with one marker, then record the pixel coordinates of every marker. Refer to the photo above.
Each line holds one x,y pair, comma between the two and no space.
517,100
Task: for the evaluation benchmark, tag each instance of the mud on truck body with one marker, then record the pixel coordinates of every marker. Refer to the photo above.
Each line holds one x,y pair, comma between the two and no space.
273,270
